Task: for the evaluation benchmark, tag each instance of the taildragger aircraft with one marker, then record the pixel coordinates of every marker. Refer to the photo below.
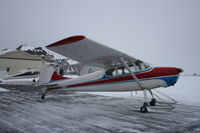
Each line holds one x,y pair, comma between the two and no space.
121,72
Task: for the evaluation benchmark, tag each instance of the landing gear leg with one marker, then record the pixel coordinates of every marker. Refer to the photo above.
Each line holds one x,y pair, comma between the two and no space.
153,100
144,108
44,92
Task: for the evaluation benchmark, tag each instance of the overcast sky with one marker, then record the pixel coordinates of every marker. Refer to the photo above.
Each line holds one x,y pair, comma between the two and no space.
162,32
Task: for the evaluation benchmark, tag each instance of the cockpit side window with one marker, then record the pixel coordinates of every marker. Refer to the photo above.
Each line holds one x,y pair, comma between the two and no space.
122,70
116,71
137,66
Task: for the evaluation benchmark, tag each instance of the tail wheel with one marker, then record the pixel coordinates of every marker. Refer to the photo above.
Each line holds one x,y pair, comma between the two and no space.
43,97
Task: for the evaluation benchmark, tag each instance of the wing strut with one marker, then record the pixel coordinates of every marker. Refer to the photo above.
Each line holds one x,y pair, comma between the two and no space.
132,74
143,109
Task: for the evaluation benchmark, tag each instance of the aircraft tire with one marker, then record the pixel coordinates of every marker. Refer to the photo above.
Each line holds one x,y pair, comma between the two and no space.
152,102
143,109
43,97
153,99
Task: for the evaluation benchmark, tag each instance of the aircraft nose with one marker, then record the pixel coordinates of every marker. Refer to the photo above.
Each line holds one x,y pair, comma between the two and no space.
171,74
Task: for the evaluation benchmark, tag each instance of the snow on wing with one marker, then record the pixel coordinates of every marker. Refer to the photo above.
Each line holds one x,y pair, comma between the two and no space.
89,52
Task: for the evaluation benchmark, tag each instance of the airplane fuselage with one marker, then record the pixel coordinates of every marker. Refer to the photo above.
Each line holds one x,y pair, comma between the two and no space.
149,78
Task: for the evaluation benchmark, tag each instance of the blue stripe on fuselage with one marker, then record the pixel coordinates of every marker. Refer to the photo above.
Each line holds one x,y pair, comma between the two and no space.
171,80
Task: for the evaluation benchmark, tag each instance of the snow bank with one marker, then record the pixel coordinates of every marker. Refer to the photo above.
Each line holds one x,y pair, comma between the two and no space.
1,90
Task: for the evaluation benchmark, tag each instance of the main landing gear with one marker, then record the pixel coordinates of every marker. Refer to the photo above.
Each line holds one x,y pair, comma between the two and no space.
153,101
146,105
161,104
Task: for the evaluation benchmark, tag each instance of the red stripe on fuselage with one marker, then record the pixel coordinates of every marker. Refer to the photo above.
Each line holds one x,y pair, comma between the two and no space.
155,72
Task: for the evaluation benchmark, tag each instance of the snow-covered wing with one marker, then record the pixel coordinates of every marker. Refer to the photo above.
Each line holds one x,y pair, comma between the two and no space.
87,51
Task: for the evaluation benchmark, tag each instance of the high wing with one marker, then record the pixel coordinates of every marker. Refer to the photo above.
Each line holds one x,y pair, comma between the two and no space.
89,52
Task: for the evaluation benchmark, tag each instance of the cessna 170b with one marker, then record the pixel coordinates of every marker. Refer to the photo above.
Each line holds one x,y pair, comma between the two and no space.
121,71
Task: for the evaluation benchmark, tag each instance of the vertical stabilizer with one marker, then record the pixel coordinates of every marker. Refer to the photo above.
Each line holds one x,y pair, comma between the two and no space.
46,74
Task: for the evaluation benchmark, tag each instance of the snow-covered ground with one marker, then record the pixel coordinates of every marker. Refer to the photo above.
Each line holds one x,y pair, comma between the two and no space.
2,90
22,110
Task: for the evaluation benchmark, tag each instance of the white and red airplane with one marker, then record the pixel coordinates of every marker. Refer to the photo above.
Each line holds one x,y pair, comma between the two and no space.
121,71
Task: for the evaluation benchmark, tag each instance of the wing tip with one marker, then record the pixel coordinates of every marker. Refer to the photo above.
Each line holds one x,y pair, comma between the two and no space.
68,40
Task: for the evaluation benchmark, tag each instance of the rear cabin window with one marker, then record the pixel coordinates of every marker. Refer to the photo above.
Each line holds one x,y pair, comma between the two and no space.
109,72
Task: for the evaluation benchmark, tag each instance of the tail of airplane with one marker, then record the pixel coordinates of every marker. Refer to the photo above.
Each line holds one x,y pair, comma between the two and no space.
48,74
